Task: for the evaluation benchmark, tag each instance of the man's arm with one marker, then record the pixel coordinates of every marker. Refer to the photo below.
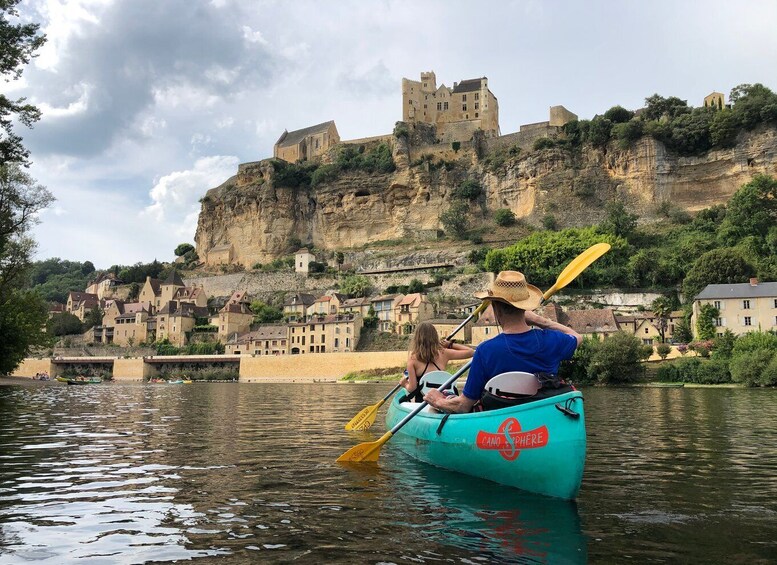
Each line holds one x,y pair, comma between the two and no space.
536,320
451,404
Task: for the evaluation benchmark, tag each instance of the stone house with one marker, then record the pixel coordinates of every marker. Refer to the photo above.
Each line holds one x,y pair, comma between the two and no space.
359,306
176,319
716,100
446,327
302,259
456,112
236,316
151,292
130,327
103,285
221,254
742,308
81,303
306,143
385,307
325,334
410,310
485,328
296,306
265,340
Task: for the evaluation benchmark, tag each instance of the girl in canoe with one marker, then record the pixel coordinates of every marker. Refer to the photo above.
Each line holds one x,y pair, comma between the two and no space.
428,352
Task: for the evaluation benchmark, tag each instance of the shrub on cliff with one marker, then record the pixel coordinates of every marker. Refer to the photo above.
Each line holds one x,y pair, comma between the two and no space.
355,286
470,189
324,174
455,219
504,217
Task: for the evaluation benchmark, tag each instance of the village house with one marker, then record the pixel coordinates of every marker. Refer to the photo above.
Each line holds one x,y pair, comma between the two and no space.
103,285
742,308
235,317
81,303
359,306
306,143
456,112
446,327
175,320
485,328
410,310
302,260
151,292
296,306
265,340
647,325
325,334
384,308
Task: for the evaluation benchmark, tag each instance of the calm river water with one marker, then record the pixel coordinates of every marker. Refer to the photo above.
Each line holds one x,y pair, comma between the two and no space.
228,473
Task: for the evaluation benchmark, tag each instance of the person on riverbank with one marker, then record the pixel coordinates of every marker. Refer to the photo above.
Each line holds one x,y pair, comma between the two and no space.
528,342
428,352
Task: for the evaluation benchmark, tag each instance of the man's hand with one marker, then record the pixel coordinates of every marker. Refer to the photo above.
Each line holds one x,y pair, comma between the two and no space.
433,397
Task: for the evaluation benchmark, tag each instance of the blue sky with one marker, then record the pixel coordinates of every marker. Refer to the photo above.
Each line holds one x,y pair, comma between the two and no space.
147,104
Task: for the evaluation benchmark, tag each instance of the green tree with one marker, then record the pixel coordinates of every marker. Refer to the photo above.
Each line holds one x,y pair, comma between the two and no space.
339,259
264,313
575,370
504,217
617,359
415,286
724,345
64,323
748,369
628,132
93,318
619,221
183,249
455,219
719,266
20,41
657,107
705,323
468,190
663,349
662,308
618,114
752,210
599,132
23,313
549,222
356,286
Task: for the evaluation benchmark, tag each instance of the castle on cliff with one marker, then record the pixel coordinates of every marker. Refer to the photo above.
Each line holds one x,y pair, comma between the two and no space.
456,112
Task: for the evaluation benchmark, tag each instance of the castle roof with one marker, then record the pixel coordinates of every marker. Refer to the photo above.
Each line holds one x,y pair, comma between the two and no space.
294,137
469,85
741,290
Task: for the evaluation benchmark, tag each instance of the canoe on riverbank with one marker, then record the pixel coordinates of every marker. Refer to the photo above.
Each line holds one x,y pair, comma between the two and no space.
538,447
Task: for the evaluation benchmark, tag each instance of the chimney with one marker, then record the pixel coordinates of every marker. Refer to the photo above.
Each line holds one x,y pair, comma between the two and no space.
455,84
753,282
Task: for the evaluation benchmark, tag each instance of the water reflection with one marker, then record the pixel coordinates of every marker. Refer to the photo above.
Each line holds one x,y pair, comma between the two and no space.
491,520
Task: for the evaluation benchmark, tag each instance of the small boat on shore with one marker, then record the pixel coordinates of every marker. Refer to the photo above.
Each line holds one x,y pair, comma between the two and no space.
666,385
537,447
84,381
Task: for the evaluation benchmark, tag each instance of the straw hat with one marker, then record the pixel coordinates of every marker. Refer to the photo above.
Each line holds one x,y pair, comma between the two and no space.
511,287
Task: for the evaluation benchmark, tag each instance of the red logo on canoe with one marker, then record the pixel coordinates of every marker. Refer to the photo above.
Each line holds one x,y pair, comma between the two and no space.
509,439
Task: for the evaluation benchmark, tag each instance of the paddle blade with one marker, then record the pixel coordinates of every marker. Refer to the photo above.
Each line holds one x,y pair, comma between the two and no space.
366,452
364,419
577,266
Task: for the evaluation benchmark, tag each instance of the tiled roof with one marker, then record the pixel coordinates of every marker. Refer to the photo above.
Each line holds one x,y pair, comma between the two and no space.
355,302
299,298
264,332
174,278
385,297
328,319
591,321
411,299
294,137
741,290
156,285
81,296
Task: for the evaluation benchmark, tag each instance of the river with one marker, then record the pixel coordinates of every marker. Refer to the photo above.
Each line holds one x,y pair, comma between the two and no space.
235,473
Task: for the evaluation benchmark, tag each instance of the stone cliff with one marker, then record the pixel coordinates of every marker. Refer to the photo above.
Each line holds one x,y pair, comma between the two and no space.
261,220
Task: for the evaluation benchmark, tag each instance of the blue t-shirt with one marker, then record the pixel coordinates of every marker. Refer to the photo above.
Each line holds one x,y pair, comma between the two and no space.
535,351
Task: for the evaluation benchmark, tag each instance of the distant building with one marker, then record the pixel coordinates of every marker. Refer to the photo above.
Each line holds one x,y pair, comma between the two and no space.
302,260
236,316
296,306
412,309
446,327
221,254
307,143
456,112
325,334
103,285
715,100
742,308
385,310
486,327
265,340
81,303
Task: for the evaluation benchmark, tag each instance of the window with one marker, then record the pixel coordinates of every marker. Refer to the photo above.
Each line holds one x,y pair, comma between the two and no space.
476,114
716,304
323,338
300,264
718,322
463,107
748,321
775,302
646,330
348,330
486,331
348,342
303,340
463,97
337,342
477,105
477,97
439,106
444,107
312,339
745,305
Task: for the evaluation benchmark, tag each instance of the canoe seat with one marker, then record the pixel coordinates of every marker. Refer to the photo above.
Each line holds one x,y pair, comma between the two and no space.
434,379
513,384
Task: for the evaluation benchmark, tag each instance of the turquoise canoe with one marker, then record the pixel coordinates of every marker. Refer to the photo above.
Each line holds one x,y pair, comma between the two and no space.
537,447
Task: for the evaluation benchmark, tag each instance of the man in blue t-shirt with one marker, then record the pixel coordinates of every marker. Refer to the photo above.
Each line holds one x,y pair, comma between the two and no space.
528,342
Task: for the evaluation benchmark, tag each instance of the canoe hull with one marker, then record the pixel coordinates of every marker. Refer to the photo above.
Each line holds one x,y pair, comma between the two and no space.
534,447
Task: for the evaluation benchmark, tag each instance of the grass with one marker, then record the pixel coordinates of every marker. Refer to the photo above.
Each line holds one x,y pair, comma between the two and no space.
388,374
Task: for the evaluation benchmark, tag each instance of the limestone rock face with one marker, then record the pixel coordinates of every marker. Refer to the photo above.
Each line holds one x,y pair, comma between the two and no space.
261,220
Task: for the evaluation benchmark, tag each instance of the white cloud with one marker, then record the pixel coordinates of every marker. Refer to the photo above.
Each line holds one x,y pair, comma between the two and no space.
253,36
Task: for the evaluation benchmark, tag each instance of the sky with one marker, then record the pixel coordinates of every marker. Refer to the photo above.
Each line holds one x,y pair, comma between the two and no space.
147,104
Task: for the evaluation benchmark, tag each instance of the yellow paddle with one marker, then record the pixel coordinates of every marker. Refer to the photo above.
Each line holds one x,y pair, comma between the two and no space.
369,451
366,416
